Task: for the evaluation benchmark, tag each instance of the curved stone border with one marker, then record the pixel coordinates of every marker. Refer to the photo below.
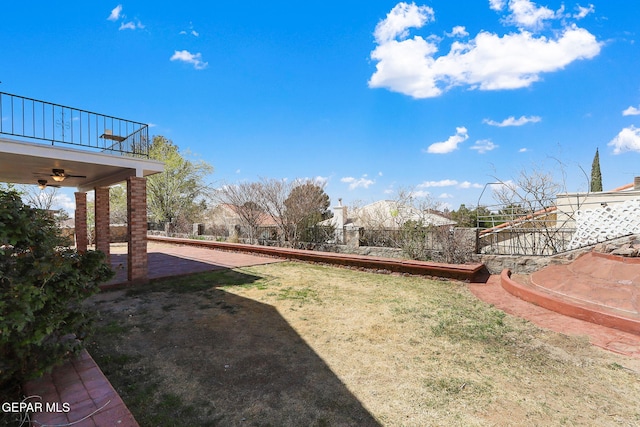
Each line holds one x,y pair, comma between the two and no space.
466,272
578,311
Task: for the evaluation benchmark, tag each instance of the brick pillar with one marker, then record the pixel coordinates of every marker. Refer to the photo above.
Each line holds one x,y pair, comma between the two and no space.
102,220
137,229
81,222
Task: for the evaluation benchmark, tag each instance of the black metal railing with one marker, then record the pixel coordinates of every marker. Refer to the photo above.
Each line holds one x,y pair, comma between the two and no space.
31,119
537,229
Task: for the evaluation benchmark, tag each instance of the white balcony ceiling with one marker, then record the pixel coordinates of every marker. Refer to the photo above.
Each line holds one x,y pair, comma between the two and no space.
26,163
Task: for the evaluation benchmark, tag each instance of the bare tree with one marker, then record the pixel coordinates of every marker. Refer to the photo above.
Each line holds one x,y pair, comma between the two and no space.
533,190
244,198
39,199
272,195
293,206
529,212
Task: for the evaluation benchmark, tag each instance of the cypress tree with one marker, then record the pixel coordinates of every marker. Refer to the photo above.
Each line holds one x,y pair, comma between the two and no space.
596,176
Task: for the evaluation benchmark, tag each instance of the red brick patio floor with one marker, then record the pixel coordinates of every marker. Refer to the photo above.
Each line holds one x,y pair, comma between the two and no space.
166,260
78,394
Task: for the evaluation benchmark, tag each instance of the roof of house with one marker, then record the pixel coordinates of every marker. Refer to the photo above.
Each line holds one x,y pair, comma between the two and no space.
390,214
230,213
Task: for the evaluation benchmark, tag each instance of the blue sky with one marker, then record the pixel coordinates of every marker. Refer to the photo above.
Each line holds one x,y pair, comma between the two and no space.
440,96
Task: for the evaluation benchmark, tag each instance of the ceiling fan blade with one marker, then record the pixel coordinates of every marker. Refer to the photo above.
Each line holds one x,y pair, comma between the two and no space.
61,175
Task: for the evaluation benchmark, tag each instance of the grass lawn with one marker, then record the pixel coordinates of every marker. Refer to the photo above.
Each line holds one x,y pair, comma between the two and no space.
295,344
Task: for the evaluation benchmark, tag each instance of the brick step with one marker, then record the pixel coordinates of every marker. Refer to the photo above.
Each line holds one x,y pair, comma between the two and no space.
556,288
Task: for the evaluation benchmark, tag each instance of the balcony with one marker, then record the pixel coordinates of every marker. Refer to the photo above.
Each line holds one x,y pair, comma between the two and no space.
32,120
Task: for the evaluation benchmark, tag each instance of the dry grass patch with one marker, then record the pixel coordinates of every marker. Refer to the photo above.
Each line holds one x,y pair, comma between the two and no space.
300,344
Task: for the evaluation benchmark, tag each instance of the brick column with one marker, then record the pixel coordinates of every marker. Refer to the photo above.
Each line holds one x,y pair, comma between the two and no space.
102,220
81,222
137,229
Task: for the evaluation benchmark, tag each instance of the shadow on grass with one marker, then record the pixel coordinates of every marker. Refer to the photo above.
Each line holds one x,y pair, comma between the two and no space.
161,265
182,351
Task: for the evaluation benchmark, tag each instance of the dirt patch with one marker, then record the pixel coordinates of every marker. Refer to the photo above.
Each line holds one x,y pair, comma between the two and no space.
300,344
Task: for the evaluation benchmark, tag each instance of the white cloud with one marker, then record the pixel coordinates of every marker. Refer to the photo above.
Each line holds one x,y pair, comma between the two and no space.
458,31
488,61
441,183
484,145
64,201
115,13
321,180
357,182
583,11
497,5
523,150
402,17
627,140
420,193
512,121
631,111
131,25
191,31
445,196
502,185
467,184
190,58
448,183
450,144
525,14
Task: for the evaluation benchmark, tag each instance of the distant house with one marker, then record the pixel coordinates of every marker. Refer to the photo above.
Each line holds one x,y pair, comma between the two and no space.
387,214
381,215
224,219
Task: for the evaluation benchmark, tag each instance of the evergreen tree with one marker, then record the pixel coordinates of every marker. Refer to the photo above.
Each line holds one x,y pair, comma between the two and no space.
596,176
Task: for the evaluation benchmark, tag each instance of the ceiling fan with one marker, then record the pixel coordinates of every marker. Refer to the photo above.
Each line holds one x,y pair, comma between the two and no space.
42,184
58,175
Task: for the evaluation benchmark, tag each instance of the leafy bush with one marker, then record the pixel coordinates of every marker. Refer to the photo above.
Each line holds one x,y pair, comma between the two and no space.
414,240
42,286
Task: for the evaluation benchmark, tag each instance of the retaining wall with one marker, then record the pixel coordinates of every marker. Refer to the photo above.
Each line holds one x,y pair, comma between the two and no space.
467,272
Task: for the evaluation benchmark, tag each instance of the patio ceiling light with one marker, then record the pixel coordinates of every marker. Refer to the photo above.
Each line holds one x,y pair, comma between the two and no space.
58,175
42,183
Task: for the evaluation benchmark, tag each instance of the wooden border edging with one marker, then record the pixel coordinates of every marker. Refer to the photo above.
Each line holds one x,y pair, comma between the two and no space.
582,312
466,272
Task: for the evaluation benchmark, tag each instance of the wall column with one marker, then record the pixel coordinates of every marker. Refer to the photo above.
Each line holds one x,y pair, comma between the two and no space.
103,238
137,229
80,219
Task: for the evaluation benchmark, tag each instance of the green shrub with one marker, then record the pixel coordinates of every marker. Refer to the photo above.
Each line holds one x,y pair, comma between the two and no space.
42,286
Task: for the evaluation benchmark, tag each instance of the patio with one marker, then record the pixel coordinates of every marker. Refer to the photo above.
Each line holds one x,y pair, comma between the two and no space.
165,260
